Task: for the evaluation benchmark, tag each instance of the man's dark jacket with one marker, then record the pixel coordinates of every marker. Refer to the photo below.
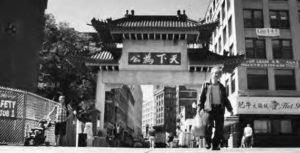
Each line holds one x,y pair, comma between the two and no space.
206,98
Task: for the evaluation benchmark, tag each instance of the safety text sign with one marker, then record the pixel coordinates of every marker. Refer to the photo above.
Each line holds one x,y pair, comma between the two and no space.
8,104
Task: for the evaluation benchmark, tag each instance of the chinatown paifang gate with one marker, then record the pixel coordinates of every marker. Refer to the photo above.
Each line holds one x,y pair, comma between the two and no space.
148,49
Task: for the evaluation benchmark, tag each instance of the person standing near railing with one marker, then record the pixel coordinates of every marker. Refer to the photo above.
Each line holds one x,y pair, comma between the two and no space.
61,117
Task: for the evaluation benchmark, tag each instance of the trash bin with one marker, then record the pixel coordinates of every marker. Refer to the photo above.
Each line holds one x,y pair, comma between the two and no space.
82,139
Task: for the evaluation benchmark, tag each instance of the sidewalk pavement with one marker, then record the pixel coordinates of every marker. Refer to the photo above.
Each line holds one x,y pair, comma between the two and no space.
22,149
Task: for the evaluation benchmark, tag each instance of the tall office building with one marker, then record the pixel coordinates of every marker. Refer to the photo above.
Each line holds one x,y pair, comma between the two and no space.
148,119
186,97
123,106
165,105
265,89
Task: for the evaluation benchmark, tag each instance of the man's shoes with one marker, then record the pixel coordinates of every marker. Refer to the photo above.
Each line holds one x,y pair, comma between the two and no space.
216,148
207,146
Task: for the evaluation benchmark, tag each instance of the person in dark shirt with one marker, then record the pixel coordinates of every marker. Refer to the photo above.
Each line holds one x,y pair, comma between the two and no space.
213,100
170,138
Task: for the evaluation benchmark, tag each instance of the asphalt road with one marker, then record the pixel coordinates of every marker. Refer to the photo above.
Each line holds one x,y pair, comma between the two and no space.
22,149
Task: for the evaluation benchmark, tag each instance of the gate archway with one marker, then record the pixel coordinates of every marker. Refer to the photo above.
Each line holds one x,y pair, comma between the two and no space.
152,49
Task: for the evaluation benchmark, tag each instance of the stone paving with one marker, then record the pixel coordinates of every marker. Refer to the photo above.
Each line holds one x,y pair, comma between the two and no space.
21,149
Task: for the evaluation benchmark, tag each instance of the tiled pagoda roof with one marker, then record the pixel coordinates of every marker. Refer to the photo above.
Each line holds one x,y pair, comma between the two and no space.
154,22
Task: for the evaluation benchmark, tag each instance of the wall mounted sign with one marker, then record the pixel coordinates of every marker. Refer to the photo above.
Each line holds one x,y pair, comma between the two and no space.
154,58
268,105
271,63
8,104
267,32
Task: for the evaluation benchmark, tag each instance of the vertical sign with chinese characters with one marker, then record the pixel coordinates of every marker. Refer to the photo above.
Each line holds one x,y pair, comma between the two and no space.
154,58
8,104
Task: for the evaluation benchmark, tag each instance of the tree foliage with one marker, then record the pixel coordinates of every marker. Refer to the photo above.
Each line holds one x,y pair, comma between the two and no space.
59,73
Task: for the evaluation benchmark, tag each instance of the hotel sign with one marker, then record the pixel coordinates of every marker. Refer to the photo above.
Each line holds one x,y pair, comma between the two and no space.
268,105
267,32
271,63
154,58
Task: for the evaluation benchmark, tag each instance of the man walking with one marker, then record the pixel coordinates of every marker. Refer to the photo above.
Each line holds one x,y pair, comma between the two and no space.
213,100
61,118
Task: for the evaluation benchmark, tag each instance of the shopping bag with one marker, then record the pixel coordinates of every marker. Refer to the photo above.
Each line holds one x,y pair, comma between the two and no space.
199,124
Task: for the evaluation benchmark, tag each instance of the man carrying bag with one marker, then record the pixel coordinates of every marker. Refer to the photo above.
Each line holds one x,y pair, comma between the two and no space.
211,108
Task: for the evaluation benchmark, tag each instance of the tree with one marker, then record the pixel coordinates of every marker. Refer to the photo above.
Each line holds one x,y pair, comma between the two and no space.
59,72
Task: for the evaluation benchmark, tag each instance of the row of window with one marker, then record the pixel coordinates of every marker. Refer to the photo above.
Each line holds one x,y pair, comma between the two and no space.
148,115
276,127
159,121
253,18
282,48
232,81
258,79
218,45
147,121
223,9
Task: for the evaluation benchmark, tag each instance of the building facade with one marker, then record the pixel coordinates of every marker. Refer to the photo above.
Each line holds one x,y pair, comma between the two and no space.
123,106
148,119
186,98
21,36
137,108
165,106
265,89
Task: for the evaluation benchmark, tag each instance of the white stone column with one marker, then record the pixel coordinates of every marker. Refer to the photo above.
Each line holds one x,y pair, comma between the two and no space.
100,97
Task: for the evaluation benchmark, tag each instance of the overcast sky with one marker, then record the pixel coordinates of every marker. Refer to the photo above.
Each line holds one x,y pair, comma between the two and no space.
80,12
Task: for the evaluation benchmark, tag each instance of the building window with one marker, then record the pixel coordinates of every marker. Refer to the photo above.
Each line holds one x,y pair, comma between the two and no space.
215,33
281,127
279,19
255,48
231,50
232,82
262,126
282,49
224,36
214,4
210,14
223,10
216,47
230,26
220,45
257,78
228,5
253,18
286,127
285,80
296,127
